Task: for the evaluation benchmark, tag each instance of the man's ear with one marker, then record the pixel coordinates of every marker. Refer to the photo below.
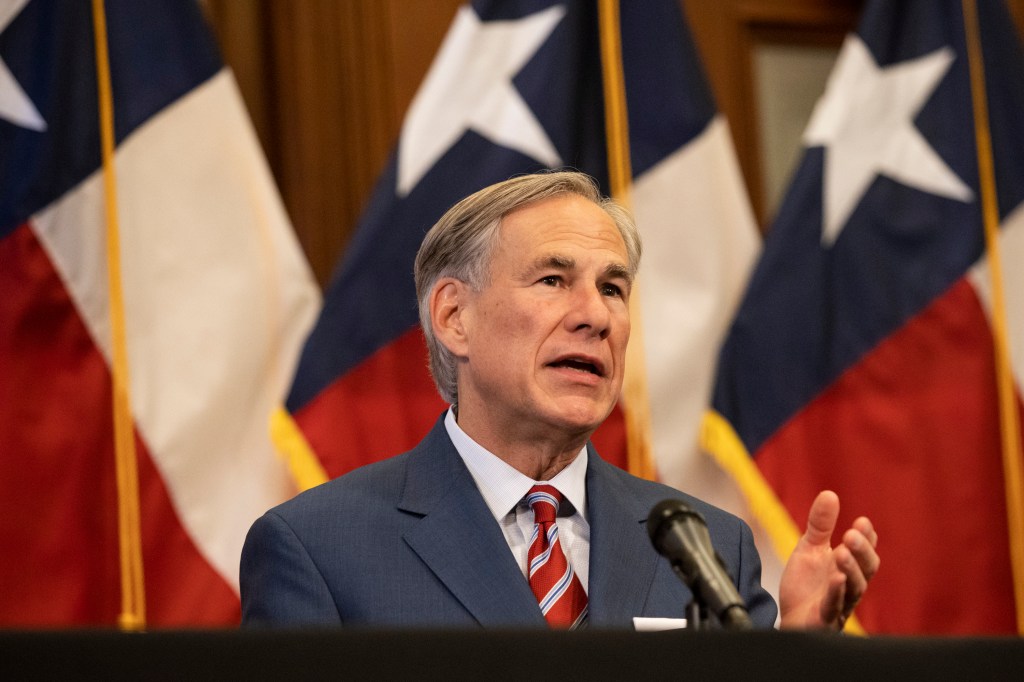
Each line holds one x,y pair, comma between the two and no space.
448,302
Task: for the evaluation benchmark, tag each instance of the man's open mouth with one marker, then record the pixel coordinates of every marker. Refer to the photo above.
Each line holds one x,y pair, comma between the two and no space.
580,364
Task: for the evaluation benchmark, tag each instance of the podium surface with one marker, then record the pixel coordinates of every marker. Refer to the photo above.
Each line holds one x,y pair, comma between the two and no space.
499,655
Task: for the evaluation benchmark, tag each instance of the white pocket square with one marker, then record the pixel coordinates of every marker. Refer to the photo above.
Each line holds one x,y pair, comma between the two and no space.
657,624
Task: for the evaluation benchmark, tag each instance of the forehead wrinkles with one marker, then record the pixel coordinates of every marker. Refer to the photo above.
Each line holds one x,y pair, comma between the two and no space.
563,245
564,227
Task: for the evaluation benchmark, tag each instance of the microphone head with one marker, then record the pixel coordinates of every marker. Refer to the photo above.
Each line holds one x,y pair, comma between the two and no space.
667,510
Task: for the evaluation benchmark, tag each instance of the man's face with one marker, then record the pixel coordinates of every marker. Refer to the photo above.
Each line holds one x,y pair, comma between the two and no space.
546,337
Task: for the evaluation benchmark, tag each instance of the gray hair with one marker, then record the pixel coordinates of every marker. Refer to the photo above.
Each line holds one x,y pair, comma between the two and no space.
461,243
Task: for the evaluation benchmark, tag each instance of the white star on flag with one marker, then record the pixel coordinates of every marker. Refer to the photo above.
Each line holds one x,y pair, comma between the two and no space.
469,87
15,106
866,122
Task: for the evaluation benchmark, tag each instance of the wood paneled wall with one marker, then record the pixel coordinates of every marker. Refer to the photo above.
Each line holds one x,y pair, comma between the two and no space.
327,83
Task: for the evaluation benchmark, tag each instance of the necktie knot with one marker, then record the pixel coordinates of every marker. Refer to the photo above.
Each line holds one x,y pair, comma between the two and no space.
544,500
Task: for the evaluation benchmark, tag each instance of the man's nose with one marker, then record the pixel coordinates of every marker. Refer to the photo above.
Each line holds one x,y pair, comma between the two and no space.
589,312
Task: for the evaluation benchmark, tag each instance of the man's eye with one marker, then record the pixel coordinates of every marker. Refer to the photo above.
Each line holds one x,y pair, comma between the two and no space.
611,290
551,280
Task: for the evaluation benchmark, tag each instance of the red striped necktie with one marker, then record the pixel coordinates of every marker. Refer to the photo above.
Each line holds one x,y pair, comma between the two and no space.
558,589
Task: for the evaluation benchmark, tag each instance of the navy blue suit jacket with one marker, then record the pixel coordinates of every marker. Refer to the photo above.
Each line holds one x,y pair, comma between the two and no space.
410,542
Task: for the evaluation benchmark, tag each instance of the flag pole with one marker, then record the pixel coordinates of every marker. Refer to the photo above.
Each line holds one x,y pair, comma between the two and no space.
1009,417
620,175
133,598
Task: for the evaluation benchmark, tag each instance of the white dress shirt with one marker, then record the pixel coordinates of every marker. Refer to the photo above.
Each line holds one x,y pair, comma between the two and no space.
504,489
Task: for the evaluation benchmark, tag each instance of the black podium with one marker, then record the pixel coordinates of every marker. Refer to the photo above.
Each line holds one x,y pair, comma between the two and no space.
500,655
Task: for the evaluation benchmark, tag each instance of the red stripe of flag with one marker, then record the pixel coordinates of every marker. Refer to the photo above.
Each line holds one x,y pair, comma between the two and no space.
58,497
936,496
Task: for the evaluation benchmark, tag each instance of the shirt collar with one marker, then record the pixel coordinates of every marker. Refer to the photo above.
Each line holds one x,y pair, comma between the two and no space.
502,486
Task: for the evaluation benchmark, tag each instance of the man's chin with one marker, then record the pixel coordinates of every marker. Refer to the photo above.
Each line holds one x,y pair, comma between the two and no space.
583,419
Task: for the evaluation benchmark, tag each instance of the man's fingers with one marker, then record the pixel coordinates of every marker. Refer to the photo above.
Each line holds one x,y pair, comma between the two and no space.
867,529
857,559
854,578
821,520
862,548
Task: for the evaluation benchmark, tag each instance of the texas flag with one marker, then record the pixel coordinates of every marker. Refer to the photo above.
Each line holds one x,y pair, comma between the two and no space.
862,357
217,298
517,87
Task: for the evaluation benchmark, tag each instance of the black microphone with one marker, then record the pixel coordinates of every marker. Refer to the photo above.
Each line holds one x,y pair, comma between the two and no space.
681,535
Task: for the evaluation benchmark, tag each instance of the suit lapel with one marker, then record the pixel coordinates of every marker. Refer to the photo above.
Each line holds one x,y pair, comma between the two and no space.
622,563
459,540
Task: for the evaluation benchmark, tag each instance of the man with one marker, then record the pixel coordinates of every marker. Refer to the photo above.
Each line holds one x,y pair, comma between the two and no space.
523,290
